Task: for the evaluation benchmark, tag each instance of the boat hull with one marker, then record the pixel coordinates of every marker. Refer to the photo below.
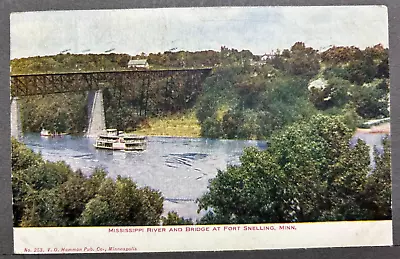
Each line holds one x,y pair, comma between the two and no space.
143,148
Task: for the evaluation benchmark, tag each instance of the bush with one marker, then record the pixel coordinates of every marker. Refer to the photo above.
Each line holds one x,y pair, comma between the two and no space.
334,94
378,191
372,100
211,128
174,219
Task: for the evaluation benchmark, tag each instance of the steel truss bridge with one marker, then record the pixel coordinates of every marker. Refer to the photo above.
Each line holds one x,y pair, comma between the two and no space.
124,80
144,91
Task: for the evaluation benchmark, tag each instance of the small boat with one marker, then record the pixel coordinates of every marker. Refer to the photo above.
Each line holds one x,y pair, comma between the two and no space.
118,140
47,133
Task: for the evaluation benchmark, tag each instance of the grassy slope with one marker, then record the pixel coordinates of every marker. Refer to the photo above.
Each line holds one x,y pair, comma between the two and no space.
181,125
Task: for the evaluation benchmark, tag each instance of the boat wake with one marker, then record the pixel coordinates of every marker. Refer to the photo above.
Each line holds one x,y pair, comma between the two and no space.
177,200
185,159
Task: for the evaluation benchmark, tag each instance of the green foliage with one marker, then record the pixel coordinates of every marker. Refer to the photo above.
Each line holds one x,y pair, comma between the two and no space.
339,55
362,71
122,203
378,191
69,62
308,173
350,117
56,113
287,103
207,107
302,60
42,209
372,100
211,128
242,124
174,219
74,195
22,157
357,66
299,61
361,81
251,102
97,213
35,188
335,94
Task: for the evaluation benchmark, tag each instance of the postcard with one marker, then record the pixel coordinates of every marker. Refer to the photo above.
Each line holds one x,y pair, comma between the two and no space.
200,129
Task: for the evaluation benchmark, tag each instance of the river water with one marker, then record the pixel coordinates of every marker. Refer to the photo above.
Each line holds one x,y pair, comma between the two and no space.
179,167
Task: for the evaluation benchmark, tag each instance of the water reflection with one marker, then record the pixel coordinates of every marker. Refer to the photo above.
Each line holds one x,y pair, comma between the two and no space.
373,140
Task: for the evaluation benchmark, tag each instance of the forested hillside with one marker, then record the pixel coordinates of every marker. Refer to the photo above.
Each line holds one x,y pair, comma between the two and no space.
246,96
247,101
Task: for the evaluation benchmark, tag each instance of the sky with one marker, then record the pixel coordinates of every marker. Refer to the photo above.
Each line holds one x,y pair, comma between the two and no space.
258,29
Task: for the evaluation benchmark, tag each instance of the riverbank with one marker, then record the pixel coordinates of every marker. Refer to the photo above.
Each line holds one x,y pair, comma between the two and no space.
180,125
382,128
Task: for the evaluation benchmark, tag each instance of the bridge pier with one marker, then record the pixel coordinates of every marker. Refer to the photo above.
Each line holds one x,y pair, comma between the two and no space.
96,117
16,124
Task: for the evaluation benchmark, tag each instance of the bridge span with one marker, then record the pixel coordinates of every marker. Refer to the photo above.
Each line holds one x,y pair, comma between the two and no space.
148,85
51,83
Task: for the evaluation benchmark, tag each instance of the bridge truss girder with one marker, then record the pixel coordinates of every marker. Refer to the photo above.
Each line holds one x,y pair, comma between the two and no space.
43,84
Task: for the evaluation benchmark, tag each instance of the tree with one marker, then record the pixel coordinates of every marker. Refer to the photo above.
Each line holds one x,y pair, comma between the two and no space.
341,55
23,157
174,219
334,94
74,196
302,60
372,100
362,70
378,191
43,209
251,102
285,103
127,205
211,128
309,172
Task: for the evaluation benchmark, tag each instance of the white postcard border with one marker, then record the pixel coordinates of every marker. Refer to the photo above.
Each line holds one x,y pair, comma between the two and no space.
118,239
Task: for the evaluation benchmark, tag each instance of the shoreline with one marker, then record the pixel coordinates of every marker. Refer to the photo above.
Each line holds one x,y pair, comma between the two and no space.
380,129
198,137
166,136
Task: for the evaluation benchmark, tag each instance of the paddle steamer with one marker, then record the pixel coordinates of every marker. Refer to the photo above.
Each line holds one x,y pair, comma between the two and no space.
118,140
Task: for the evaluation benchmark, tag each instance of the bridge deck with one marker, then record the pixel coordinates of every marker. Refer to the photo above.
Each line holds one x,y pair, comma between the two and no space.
76,81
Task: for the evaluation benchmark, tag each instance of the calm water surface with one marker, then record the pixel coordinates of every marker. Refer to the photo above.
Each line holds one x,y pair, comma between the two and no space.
373,140
179,167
